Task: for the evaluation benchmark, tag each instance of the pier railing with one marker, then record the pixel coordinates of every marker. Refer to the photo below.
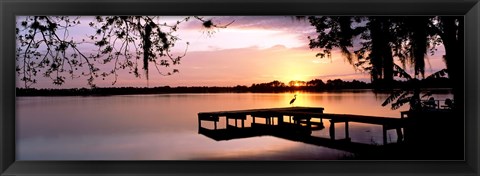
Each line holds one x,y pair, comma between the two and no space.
437,104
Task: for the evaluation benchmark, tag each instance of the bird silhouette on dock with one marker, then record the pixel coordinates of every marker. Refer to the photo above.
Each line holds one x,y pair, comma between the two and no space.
293,100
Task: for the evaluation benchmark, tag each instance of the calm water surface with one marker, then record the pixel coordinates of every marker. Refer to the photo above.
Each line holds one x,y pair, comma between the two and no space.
165,126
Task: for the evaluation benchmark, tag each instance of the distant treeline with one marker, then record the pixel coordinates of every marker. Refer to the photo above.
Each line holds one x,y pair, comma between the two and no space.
316,85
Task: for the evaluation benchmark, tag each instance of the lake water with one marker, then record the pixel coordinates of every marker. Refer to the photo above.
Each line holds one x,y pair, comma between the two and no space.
165,126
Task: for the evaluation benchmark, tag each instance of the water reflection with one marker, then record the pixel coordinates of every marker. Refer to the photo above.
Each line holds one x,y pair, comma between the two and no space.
164,127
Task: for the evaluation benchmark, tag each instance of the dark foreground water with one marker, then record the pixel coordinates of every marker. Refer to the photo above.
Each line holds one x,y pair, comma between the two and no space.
165,126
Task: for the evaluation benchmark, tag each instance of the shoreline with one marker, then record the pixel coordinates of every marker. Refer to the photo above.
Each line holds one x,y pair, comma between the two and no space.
188,90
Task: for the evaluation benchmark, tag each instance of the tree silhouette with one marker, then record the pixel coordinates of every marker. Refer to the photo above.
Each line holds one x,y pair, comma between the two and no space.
45,47
451,32
316,83
411,92
381,39
375,54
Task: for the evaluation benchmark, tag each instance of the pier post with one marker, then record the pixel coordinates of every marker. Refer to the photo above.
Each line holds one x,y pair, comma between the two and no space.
347,135
243,123
236,122
399,135
226,121
253,119
215,125
332,130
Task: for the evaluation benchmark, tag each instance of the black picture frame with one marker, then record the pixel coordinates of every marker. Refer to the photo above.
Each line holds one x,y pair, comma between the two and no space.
9,9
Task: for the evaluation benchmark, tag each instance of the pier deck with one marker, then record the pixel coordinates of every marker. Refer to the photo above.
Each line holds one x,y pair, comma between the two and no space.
302,121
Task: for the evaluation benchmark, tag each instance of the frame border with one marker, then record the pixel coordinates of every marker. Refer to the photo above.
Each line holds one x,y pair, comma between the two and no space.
9,9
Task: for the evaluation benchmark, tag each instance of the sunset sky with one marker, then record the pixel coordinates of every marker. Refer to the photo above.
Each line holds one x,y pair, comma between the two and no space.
253,49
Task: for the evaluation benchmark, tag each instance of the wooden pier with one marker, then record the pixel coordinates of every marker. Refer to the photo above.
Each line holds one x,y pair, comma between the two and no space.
298,127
